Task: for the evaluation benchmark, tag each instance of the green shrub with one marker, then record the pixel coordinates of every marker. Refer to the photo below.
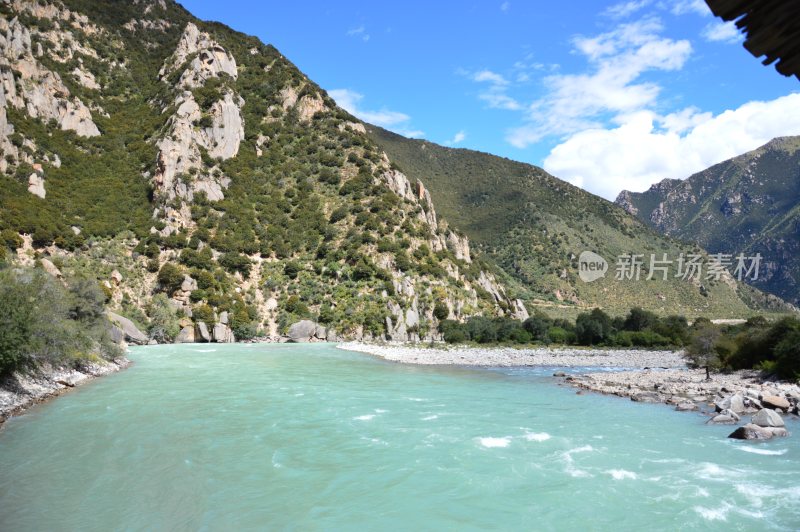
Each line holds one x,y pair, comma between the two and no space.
440,310
170,277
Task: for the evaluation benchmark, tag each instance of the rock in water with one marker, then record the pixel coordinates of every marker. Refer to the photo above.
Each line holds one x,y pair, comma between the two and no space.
723,419
302,331
754,432
774,401
186,336
132,333
202,332
223,334
686,407
767,418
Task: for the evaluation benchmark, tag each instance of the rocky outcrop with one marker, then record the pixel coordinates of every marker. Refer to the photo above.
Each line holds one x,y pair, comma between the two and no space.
223,334
36,185
27,85
202,333
308,331
51,268
218,130
208,59
186,336
131,332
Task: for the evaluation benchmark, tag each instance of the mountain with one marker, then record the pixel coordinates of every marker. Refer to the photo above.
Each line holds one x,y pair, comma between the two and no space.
749,204
535,226
215,192
192,169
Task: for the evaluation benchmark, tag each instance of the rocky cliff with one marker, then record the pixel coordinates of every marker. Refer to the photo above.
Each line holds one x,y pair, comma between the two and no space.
748,204
213,190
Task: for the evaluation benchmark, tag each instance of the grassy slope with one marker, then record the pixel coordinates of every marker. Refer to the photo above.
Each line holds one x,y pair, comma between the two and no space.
768,182
534,225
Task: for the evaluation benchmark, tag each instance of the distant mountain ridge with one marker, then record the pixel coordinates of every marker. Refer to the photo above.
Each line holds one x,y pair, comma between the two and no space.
535,226
748,204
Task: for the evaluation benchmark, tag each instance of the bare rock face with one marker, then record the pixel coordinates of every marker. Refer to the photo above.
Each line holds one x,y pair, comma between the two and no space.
211,59
219,129
39,91
518,310
36,185
459,245
180,150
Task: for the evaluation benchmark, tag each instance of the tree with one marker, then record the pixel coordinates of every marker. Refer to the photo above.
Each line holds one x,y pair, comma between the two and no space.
593,327
787,356
701,351
164,323
639,319
440,310
170,277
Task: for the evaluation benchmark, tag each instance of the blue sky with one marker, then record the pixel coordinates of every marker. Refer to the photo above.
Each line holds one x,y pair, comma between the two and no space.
605,94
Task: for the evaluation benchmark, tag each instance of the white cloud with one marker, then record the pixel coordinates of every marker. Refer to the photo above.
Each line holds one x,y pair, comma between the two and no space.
394,120
697,7
505,6
360,32
726,32
626,9
457,138
495,94
617,60
646,148
492,77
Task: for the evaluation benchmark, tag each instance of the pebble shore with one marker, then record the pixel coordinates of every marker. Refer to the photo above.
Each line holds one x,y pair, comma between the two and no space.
508,356
20,392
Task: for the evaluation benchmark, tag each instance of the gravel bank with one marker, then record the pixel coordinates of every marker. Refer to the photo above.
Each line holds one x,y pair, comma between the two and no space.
506,356
18,393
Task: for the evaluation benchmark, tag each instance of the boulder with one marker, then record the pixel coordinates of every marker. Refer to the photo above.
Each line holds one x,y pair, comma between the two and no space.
116,277
51,268
223,334
332,336
117,334
186,336
775,401
302,331
646,397
722,419
686,407
203,334
132,333
737,403
321,333
733,402
188,284
223,317
767,418
754,432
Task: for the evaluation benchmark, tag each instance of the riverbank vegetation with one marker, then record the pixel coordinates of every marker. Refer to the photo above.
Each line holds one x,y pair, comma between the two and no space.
773,347
45,321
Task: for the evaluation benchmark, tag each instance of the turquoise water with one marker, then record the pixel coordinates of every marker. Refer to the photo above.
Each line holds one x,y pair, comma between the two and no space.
255,437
